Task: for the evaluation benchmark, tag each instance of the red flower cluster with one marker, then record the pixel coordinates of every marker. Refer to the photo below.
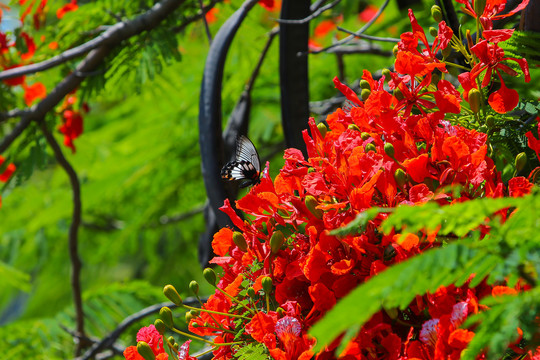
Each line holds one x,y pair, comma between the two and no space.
283,270
153,338
5,172
72,126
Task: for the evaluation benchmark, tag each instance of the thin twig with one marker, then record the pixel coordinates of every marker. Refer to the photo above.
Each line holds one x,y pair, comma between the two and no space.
369,37
12,114
316,5
73,231
310,17
195,17
271,35
206,27
109,340
362,30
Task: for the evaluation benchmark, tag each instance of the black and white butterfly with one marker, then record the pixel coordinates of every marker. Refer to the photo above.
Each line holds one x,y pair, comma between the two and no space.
246,167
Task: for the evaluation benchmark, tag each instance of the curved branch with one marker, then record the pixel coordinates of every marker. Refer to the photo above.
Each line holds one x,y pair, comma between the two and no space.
369,37
108,341
73,231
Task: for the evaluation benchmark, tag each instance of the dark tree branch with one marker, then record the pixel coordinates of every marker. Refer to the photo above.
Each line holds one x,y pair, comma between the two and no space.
108,341
310,17
369,37
361,31
206,27
293,73
73,232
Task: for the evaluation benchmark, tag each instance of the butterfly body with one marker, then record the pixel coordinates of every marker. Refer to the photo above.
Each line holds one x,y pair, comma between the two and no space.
246,167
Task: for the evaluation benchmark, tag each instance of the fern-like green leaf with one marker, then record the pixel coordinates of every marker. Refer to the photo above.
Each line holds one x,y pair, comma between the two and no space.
253,352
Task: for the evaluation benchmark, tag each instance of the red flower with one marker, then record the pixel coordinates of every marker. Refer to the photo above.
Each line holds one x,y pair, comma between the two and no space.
8,171
72,127
72,6
33,92
491,9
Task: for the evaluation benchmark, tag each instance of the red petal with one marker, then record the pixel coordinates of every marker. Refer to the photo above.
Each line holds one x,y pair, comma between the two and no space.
504,99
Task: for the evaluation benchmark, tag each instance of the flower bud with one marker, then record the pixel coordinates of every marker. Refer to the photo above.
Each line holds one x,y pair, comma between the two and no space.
251,292
401,177
165,314
311,170
240,241
364,84
160,326
189,316
281,312
398,94
387,74
474,100
389,150
395,50
521,161
490,121
322,129
171,340
311,204
353,127
175,347
276,241
170,292
479,6
210,276
446,51
365,135
365,94
436,13
145,351
266,283
432,31
194,287
370,147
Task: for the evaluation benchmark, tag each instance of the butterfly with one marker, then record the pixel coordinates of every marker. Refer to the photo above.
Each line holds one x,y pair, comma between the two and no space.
247,165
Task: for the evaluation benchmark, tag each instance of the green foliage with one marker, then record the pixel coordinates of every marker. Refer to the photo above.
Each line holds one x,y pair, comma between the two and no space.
253,351
509,251
524,44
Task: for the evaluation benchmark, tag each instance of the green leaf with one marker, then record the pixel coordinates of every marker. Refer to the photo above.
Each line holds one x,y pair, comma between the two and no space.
14,277
252,352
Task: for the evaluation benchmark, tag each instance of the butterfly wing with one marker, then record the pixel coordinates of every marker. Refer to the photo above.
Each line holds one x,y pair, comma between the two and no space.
246,167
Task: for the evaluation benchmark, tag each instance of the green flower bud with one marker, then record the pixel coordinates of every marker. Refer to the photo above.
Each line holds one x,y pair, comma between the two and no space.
251,292
171,340
276,241
266,283
210,276
395,50
398,94
311,204
165,314
433,32
281,312
311,170
240,241
160,326
490,121
145,351
446,51
189,316
353,127
436,13
521,161
389,149
365,136
401,177
195,325
474,99
370,147
365,94
479,6
364,84
322,129
194,287
170,292
387,74
175,347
